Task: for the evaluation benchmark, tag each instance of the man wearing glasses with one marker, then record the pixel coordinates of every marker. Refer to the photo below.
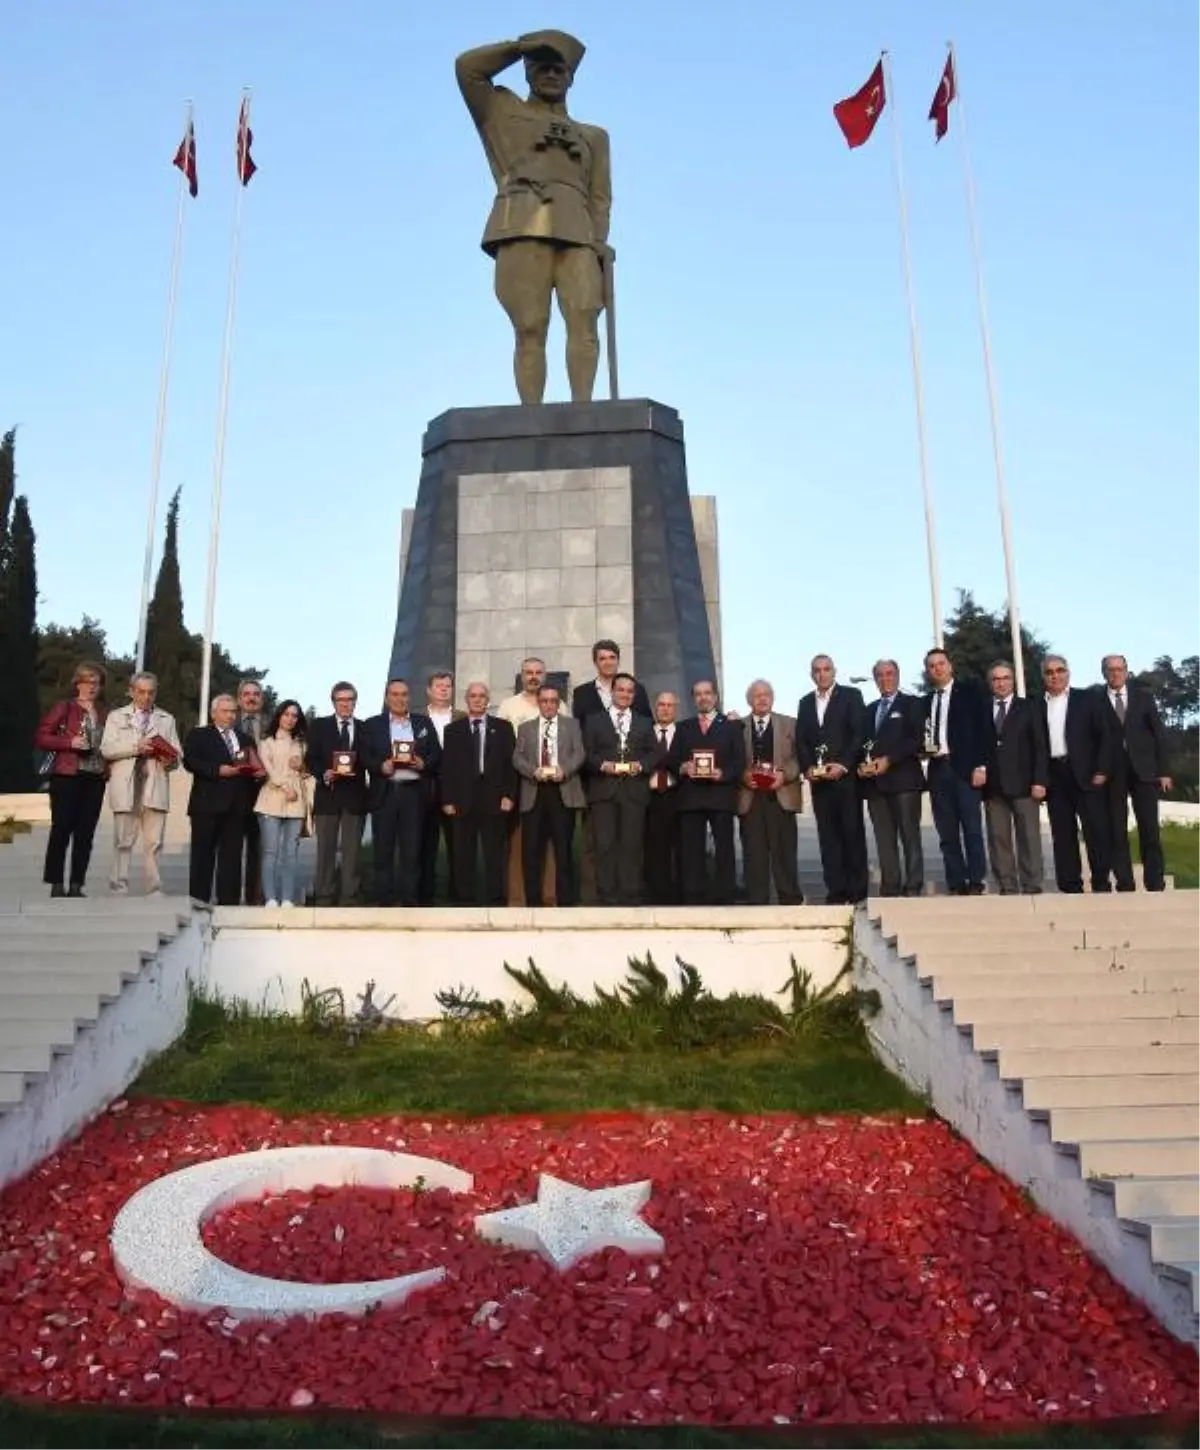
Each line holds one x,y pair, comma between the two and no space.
340,800
1081,747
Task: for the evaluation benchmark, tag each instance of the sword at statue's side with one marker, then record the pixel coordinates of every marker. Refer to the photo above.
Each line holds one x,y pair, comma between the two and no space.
610,322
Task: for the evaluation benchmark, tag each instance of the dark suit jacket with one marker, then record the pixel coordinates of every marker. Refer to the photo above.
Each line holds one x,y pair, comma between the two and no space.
727,738
585,701
1092,742
377,747
601,743
204,752
969,726
349,794
1020,757
1142,736
462,785
899,737
842,734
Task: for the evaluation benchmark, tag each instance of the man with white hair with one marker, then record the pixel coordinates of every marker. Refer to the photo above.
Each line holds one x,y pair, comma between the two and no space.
478,796
141,745
768,800
220,758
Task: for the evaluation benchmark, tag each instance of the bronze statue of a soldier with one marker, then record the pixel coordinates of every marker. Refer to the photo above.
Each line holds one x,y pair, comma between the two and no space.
548,229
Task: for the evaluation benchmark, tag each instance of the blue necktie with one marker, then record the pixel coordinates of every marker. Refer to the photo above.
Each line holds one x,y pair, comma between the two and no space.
880,711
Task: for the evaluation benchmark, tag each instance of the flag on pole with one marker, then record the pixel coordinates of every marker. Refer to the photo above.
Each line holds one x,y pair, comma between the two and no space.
185,158
245,139
857,114
939,112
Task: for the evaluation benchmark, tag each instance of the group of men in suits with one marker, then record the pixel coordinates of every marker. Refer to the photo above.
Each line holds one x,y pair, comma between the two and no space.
654,790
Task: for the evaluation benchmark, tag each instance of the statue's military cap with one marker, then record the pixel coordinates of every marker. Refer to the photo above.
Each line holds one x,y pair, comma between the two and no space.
559,43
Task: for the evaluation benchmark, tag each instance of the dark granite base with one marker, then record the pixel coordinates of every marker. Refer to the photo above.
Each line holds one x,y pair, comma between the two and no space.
671,633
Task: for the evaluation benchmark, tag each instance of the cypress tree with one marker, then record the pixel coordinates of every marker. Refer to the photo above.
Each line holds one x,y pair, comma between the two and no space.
8,479
18,651
167,641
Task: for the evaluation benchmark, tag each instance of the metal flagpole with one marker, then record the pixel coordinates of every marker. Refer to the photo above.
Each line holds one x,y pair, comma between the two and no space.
160,424
1010,572
210,594
914,340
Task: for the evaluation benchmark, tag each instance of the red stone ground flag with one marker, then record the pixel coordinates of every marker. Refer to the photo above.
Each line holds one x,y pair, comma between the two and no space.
857,114
185,158
947,91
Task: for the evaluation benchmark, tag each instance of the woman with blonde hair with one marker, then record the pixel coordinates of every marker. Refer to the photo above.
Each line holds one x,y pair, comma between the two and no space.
70,732
282,804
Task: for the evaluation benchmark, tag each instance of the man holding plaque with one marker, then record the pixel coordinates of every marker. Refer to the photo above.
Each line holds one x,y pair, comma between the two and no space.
221,761
830,730
891,780
621,754
708,757
548,758
769,799
401,753
478,794
340,798
141,747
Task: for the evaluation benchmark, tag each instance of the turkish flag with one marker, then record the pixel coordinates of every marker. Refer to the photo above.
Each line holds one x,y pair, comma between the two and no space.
939,111
185,158
245,139
857,114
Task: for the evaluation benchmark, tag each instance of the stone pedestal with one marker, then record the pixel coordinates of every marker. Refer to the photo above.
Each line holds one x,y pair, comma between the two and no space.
538,530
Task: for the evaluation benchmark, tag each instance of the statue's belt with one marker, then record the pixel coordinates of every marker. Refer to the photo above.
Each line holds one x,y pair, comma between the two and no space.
518,185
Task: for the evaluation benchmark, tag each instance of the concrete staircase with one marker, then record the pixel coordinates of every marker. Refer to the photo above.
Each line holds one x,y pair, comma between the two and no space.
1060,1034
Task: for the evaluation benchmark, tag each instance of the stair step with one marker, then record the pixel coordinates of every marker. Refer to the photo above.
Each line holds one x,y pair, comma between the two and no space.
127,964
80,1007
953,983
1098,1092
1025,1062
12,1088
56,1032
1137,1032
29,1057
910,941
1137,1157
1155,1197
1047,1011
1053,963
1171,1239
1081,1125
1184,1272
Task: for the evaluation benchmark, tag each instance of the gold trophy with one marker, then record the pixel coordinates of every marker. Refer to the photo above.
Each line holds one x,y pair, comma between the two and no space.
867,766
820,771
623,765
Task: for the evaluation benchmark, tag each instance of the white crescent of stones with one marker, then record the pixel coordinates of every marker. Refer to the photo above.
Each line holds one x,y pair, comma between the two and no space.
156,1241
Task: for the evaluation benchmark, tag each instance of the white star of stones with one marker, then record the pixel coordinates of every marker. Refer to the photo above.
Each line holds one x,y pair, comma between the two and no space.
568,1223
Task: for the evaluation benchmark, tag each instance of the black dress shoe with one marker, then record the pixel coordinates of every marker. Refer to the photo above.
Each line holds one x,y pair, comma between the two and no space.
976,888
76,889
58,889
960,891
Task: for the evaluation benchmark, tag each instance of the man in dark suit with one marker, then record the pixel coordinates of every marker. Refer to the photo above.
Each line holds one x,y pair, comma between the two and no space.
594,697
1081,747
707,799
549,757
439,706
1139,775
958,741
1018,772
340,800
661,854
251,722
892,782
830,728
402,754
621,753
222,796
479,793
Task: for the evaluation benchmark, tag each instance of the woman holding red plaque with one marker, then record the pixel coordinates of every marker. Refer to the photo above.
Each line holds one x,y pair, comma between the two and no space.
71,732
281,806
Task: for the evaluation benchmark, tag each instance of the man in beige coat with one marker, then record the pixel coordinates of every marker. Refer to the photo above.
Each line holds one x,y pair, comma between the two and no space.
769,798
141,746
548,758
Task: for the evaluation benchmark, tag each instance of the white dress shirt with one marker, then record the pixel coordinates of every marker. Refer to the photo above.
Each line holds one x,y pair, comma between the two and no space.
822,705
604,690
440,718
942,744
1056,718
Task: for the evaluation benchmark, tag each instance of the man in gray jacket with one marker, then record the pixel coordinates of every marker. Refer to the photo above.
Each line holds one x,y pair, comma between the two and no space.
548,758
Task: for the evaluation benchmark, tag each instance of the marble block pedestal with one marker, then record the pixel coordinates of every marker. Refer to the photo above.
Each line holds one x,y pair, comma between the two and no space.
538,530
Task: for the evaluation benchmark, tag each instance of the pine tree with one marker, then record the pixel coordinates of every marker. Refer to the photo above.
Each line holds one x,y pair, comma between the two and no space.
19,712
8,479
168,644
976,638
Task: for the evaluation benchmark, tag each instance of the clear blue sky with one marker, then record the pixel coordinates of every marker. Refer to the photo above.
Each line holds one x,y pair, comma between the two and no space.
760,294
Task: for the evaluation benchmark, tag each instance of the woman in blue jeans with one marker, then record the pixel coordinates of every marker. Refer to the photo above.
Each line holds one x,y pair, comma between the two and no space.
281,805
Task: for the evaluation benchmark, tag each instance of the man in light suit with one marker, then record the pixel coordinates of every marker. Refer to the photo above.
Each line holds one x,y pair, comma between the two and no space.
141,745
769,799
892,782
549,756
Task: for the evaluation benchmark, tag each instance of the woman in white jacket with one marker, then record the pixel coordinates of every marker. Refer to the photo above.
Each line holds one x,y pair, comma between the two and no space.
282,805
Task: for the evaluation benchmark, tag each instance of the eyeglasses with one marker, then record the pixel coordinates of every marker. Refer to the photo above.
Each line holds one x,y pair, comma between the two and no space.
1053,670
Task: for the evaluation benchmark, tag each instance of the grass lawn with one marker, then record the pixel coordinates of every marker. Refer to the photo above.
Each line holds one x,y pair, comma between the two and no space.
1181,847
20,1426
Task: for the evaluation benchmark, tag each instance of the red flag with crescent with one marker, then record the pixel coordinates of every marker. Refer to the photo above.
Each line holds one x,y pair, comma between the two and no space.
185,159
857,114
245,139
939,111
